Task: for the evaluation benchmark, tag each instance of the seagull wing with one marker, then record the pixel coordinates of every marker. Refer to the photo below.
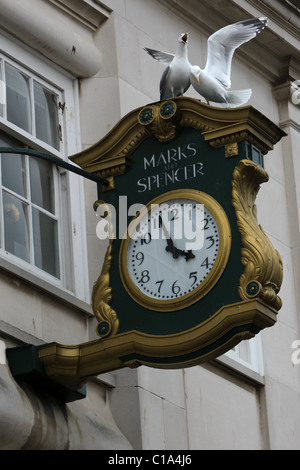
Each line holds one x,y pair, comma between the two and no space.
163,57
222,44
163,85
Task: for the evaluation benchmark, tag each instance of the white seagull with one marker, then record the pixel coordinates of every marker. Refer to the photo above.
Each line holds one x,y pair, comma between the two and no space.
175,79
213,82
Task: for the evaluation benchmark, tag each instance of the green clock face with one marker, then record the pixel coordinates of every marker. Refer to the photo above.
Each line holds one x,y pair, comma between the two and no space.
176,251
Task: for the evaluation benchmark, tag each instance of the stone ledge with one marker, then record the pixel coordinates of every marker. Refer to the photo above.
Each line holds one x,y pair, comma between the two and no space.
54,33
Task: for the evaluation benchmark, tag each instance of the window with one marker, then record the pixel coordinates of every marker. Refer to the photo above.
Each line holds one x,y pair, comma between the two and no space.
30,216
40,230
30,104
248,353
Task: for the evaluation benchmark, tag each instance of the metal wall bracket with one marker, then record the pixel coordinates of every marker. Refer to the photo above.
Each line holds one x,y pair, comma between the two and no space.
25,366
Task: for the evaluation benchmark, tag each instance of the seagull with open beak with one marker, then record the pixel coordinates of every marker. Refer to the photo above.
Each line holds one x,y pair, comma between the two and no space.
175,79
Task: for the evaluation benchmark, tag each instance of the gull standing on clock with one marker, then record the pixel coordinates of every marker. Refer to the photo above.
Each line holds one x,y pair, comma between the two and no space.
213,82
175,79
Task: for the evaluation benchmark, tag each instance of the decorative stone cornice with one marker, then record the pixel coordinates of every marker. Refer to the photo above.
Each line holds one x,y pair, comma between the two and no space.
89,12
54,32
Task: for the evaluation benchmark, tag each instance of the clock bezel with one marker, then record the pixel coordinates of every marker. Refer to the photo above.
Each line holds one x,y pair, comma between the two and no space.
167,305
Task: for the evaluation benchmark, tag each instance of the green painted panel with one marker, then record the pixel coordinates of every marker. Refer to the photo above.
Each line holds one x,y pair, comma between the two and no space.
155,168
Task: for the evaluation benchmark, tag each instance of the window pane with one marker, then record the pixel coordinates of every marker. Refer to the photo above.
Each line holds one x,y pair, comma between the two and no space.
243,351
2,94
13,172
15,215
46,116
45,240
41,184
17,98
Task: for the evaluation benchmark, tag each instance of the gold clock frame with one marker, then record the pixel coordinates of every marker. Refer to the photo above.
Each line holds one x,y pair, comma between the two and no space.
213,276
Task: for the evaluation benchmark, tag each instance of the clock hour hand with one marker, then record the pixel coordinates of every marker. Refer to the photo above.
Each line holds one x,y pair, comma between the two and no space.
170,245
188,255
177,252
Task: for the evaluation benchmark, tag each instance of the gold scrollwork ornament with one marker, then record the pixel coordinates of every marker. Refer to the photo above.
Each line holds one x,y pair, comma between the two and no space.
263,271
102,293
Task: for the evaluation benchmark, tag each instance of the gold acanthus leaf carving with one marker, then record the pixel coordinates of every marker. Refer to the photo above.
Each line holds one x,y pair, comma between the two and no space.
102,292
262,276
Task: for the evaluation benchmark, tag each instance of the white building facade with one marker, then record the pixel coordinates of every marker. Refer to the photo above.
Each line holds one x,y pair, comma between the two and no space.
69,72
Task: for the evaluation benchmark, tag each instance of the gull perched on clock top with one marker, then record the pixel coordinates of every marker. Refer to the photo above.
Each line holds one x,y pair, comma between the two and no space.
175,79
214,81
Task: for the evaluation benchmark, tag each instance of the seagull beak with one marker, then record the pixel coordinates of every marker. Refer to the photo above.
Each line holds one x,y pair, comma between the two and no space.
197,78
184,38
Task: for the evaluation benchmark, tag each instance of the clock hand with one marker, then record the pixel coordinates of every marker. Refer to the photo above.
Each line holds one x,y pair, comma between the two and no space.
161,224
170,245
188,255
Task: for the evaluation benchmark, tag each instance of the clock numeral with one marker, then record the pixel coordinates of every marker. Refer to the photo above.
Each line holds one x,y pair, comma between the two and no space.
212,241
160,284
173,214
175,288
155,221
205,263
140,257
206,226
145,276
146,239
193,276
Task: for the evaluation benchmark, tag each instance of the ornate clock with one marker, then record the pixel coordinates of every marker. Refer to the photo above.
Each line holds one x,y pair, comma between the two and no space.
166,300
175,252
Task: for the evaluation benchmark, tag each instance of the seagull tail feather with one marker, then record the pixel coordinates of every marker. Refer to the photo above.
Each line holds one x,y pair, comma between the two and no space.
238,97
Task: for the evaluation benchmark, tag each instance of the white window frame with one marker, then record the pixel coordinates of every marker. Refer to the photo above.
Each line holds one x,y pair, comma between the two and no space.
74,277
253,349
56,215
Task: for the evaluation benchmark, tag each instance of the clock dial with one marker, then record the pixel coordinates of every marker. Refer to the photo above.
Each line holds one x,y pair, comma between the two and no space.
161,266
174,249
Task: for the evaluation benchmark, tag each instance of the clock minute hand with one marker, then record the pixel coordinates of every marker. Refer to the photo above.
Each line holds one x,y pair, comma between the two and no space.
170,245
